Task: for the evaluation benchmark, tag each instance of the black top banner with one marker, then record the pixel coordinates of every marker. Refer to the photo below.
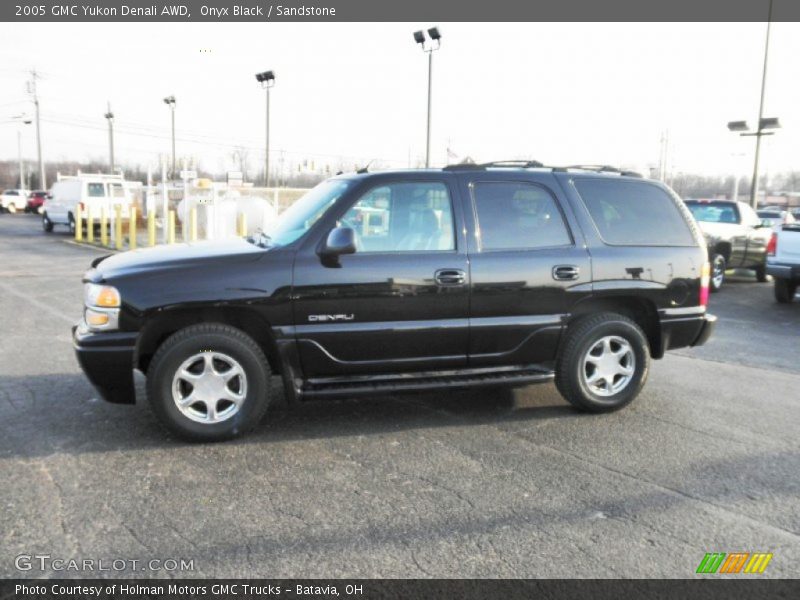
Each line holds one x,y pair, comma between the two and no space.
398,10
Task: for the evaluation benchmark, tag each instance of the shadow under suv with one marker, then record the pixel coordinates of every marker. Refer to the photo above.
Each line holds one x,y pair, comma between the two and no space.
470,275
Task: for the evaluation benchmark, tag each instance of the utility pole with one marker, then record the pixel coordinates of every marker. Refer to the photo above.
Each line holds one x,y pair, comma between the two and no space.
32,91
110,116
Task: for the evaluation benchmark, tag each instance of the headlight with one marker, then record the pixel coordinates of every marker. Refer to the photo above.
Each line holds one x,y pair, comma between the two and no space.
102,296
102,307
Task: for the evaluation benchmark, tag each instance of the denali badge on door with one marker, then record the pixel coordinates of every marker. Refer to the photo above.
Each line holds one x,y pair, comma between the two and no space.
323,318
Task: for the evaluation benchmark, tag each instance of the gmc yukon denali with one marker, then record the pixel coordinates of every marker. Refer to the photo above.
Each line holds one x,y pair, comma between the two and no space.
377,283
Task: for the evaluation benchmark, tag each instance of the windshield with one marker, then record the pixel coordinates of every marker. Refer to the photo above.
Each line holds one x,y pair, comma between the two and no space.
300,216
714,212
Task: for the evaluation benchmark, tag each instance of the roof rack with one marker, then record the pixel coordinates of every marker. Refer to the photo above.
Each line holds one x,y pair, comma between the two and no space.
521,164
599,169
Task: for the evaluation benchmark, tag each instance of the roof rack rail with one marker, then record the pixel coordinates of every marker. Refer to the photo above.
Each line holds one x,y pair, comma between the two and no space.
600,169
522,164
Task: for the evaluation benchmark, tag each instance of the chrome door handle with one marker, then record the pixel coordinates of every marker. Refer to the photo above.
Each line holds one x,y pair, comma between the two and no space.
450,277
566,272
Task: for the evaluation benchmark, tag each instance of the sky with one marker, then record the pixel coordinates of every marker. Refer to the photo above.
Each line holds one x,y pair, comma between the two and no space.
346,94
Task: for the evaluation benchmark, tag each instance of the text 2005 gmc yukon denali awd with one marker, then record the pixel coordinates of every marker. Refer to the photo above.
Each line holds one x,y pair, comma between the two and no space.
400,281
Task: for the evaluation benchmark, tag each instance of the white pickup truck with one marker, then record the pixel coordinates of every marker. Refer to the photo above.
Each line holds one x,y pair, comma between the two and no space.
783,261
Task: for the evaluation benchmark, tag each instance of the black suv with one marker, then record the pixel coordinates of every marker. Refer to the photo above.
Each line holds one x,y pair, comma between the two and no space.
497,274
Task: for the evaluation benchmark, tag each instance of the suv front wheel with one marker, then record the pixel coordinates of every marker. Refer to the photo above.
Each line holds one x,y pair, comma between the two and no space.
209,383
603,364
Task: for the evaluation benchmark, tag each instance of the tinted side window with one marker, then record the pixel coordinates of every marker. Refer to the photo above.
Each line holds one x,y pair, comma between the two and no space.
634,213
515,215
403,217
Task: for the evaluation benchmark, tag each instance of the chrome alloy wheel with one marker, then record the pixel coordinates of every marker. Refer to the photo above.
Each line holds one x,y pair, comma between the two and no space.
609,365
209,387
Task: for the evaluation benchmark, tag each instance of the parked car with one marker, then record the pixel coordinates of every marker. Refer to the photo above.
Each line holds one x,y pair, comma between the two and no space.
35,201
775,219
735,236
783,262
12,200
93,192
466,276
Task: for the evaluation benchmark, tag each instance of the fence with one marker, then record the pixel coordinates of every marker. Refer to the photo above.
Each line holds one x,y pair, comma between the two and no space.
150,220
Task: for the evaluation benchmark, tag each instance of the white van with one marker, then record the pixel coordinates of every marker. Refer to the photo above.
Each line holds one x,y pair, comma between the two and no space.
94,192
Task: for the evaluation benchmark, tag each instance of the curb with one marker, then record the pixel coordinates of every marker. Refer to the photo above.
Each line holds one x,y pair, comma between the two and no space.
92,247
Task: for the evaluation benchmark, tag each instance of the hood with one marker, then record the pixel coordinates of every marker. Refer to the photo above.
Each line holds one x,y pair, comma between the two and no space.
172,256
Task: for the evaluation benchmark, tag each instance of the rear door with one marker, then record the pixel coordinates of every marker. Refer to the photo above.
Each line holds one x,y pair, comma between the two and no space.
528,266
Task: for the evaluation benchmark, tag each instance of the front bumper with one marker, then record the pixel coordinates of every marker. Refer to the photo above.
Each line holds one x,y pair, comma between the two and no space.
107,360
783,271
681,332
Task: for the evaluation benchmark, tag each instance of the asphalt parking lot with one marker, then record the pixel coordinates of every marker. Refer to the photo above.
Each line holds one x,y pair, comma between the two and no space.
467,484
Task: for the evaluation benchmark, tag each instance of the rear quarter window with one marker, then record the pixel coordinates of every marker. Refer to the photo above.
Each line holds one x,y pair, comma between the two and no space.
634,213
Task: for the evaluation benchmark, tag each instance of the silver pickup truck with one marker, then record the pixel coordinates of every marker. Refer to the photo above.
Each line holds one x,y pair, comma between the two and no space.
783,261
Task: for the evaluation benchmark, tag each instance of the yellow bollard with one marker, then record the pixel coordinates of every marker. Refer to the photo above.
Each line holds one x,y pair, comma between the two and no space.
118,226
151,227
79,223
89,226
193,224
132,228
103,226
171,232
242,224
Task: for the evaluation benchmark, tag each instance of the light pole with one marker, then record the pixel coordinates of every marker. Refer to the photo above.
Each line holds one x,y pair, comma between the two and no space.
765,124
267,81
25,120
170,101
429,47
110,116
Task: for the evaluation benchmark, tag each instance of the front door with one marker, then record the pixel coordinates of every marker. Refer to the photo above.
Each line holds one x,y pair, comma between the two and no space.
401,302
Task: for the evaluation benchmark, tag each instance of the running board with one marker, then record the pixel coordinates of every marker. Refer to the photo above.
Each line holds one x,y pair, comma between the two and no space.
335,387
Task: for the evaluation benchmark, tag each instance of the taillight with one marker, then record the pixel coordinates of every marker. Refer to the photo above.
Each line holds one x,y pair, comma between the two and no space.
772,246
82,206
705,279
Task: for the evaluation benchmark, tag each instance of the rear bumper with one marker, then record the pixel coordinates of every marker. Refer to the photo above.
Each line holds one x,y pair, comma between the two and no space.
107,360
692,330
783,271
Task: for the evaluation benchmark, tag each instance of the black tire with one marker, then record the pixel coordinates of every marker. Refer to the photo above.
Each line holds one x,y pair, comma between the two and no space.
785,289
718,267
761,273
205,338
581,338
71,223
47,224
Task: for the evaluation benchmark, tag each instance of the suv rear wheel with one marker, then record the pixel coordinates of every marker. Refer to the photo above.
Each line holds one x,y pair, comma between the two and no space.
603,364
209,383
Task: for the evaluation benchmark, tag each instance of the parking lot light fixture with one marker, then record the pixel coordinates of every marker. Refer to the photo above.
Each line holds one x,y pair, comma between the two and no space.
170,101
267,81
429,47
110,117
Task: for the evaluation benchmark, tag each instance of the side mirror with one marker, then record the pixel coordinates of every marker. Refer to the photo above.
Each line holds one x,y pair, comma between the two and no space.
341,240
